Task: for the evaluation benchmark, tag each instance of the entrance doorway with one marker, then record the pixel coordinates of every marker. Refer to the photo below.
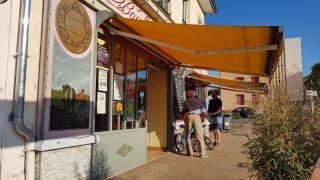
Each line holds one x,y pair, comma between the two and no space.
157,113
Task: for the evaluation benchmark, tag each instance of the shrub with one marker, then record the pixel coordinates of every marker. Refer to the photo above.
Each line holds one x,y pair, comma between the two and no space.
285,141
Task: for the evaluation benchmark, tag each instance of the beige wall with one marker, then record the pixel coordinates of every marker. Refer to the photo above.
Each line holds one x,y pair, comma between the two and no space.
294,68
12,145
228,97
195,14
33,62
11,153
176,10
287,72
157,108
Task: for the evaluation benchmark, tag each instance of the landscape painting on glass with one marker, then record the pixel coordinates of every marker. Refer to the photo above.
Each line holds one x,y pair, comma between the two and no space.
70,93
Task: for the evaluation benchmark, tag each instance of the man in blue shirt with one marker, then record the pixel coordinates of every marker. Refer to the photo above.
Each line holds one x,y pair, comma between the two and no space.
215,116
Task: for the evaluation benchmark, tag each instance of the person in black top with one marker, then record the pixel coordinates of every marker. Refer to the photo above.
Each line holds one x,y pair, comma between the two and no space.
215,116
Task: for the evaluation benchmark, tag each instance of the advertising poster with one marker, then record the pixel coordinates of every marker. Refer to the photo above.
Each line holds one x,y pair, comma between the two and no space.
117,107
102,80
119,67
101,103
102,55
130,108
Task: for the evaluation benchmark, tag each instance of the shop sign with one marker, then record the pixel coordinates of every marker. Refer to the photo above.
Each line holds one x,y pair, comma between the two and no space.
179,89
73,26
127,9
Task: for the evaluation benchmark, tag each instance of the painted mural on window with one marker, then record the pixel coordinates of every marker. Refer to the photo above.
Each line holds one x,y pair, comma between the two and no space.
70,93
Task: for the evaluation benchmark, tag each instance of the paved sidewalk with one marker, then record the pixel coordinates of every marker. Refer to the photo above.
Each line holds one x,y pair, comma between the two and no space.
225,162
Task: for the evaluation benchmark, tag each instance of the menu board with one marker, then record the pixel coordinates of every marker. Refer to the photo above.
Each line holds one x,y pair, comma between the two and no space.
179,88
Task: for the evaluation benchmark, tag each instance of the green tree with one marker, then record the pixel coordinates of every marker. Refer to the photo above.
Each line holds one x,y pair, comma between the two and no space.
312,81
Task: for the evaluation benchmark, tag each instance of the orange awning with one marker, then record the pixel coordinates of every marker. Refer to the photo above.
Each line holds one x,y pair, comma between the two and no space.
236,49
235,84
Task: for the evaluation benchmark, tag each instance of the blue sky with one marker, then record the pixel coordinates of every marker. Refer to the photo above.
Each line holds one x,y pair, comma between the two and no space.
299,19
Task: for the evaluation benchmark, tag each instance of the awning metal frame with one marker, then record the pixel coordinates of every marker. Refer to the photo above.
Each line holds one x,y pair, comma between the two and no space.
226,87
199,52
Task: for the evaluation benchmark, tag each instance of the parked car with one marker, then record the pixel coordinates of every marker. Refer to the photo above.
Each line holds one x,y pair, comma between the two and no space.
244,112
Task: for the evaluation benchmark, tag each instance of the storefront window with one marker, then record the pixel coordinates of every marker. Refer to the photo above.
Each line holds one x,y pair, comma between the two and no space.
101,117
118,93
129,86
70,91
130,99
142,89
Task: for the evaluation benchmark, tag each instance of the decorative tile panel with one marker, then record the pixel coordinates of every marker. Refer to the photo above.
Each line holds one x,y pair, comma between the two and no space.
124,150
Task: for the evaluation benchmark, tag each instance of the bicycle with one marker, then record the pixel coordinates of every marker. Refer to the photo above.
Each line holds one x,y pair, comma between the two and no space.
179,136
180,139
196,144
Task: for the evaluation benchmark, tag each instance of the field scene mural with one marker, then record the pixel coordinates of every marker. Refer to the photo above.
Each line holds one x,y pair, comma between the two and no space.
70,93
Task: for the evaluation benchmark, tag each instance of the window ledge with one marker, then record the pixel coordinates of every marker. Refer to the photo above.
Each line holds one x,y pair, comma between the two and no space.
52,144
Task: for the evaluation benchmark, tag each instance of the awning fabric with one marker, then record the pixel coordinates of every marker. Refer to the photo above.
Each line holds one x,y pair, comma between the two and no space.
236,49
235,84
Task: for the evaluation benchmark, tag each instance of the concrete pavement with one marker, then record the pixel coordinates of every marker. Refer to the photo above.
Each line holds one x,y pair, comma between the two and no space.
226,161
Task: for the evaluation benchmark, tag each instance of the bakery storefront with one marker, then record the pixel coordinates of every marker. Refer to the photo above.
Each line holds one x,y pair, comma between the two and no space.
106,83
103,98
131,102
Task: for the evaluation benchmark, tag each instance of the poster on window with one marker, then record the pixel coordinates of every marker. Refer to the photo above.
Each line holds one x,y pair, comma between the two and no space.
130,113
119,67
102,80
117,108
102,55
101,103
118,87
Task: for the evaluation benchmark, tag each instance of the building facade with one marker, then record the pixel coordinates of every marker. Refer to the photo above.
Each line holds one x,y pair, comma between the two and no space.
286,76
92,105
234,98
287,73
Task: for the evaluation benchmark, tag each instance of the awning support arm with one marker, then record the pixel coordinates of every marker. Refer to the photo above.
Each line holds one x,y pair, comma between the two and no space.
239,50
202,52
152,41
221,86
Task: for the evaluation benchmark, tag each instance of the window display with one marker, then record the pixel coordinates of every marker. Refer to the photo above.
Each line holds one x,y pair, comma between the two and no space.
118,85
142,89
131,76
129,88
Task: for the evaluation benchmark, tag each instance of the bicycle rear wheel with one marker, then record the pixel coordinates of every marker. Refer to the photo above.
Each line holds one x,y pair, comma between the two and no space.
208,142
179,143
195,145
